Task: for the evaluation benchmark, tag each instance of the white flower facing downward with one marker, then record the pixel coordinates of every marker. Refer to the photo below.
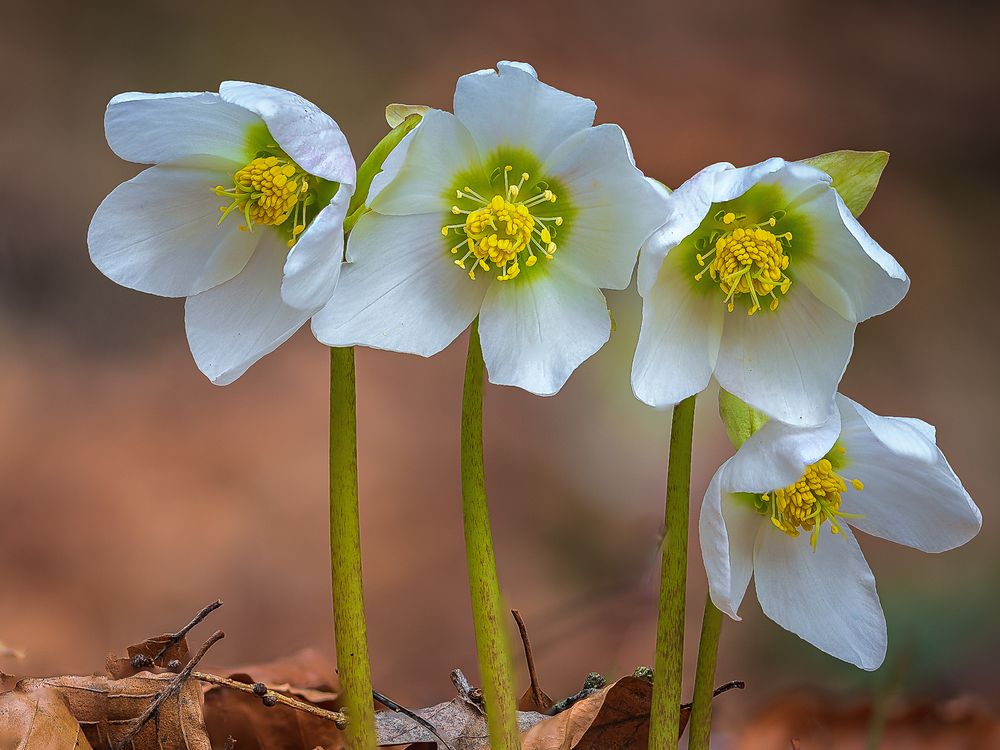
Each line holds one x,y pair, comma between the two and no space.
782,509
515,209
759,276
242,214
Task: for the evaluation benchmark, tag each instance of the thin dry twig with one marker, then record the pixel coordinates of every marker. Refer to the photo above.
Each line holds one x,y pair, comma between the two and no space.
393,706
180,634
734,685
338,717
537,696
172,687
470,694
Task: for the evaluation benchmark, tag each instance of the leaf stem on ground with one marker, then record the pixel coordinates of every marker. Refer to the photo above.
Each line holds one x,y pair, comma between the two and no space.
708,651
484,588
665,716
345,554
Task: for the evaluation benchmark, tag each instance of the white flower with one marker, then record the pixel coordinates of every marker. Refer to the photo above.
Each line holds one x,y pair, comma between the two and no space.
769,511
282,174
759,276
515,209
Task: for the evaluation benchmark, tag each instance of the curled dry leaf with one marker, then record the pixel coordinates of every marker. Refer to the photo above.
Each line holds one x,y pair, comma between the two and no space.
257,727
39,719
457,721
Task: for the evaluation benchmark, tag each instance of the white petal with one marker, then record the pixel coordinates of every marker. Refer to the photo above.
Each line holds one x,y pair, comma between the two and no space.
313,266
154,128
307,134
536,331
777,454
438,151
826,597
686,208
617,208
514,108
678,341
787,362
401,291
911,494
847,269
727,529
160,233
234,324
391,166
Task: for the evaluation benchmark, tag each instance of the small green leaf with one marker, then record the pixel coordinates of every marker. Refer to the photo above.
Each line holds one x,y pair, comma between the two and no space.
855,174
741,419
372,165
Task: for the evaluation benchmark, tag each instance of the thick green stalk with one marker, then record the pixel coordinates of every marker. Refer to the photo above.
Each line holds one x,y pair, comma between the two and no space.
345,554
484,588
666,710
704,681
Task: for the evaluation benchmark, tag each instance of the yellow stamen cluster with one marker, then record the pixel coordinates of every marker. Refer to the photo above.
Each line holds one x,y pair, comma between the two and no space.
810,502
749,261
268,191
501,230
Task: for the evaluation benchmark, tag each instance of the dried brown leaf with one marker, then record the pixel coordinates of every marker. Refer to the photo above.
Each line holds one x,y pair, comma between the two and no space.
104,709
307,676
38,719
535,699
457,721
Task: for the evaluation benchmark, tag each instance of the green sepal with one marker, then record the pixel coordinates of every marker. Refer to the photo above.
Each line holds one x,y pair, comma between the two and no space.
741,419
372,165
855,174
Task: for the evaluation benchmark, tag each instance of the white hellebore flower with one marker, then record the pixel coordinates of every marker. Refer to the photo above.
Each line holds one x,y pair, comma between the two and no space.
514,209
767,507
759,276
282,175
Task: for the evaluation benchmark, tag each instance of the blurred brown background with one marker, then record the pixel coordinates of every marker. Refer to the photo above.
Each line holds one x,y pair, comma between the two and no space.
132,491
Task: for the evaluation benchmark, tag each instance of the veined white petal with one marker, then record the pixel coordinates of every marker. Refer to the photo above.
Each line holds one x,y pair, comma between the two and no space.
535,332
787,362
777,454
513,108
401,291
686,208
233,325
155,128
847,269
825,596
313,266
305,132
678,342
391,166
160,233
911,495
440,149
616,207
727,529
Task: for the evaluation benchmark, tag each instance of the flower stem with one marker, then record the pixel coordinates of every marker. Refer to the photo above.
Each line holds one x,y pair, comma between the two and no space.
704,681
345,554
484,588
665,717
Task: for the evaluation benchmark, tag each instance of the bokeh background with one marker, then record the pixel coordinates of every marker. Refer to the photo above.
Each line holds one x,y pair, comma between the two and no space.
132,491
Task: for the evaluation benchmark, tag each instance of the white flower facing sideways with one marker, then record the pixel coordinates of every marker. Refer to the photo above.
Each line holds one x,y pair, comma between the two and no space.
759,277
782,509
242,213
515,209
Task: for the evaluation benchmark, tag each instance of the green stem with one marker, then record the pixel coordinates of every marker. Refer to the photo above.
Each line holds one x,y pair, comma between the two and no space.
487,613
345,554
704,681
666,709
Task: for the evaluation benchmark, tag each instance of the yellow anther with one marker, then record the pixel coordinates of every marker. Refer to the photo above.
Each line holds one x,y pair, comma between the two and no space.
532,260
456,210
268,191
858,484
546,236
729,218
